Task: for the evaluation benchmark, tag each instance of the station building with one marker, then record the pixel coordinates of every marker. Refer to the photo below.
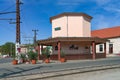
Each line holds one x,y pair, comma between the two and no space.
71,34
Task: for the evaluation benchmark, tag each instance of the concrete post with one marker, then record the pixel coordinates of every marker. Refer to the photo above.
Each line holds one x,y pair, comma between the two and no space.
105,49
38,51
93,50
59,46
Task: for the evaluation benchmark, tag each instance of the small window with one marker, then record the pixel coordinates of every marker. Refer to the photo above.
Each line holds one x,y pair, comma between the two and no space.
110,45
57,28
86,47
100,47
73,47
56,47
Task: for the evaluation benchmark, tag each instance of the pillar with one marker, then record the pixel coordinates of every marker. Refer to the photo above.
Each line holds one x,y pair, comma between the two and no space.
41,48
105,49
59,46
93,50
38,48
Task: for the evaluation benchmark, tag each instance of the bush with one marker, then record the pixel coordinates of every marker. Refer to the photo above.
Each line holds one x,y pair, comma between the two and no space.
32,55
23,56
62,54
46,52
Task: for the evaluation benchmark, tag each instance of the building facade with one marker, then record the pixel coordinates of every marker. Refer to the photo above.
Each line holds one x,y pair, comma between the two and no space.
71,25
71,34
113,35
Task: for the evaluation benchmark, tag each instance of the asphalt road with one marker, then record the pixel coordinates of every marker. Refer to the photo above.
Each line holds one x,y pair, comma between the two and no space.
7,69
5,60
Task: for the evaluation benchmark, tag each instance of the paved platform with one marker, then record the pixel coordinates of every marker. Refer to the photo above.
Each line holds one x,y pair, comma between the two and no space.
7,70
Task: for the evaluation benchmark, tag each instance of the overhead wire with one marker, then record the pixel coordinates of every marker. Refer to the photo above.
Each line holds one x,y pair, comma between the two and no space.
7,11
8,8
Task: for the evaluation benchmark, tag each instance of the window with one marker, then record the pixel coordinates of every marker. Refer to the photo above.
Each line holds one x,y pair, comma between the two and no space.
86,47
73,47
100,47
57,28
110,48
56,47
110,45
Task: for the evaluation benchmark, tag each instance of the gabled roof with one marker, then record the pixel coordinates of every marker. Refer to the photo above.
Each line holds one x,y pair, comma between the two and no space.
70,14
107,32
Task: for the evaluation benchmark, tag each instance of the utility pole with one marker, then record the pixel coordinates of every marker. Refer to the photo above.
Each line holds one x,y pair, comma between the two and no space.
35,33
18,22
18,42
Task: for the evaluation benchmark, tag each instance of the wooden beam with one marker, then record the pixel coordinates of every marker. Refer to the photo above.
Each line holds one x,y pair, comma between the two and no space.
38,47
59,46
105,49
93,50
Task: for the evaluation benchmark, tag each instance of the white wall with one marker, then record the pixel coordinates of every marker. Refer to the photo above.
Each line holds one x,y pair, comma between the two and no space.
86,27
66,50
116,46
71,26
75,26
59,22
97,48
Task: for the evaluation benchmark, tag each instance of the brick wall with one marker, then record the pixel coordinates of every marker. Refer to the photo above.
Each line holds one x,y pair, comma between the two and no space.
75,56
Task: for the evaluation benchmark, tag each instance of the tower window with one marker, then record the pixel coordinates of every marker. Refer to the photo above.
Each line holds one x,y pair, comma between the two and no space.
57,28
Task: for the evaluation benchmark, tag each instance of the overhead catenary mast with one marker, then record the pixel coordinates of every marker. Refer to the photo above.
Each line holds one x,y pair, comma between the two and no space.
18,41
18,22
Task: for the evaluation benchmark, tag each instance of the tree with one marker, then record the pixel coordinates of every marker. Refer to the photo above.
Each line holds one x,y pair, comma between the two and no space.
8,48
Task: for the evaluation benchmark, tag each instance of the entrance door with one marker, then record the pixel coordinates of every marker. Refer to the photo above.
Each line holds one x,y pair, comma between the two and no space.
110,48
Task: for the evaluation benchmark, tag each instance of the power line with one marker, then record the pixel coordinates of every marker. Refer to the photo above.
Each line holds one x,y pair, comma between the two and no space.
8,8
7,19
1,13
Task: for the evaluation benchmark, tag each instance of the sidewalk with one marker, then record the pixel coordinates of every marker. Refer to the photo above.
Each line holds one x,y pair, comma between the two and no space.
21,70
61,73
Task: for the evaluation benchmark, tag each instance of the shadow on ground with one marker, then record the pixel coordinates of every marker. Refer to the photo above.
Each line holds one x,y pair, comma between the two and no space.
17,71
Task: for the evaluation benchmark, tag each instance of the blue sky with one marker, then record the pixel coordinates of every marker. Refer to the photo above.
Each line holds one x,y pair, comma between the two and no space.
35,14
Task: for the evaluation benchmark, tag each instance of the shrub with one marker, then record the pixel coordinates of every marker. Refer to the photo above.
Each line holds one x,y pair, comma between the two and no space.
32,55
46,52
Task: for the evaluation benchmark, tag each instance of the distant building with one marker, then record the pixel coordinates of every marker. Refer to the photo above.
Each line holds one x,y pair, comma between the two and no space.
71,34
113,34
24,49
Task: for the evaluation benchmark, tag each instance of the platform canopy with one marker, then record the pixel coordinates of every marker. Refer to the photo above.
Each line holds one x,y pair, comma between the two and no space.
81,40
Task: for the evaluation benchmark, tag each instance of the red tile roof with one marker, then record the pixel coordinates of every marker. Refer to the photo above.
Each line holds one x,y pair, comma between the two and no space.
107,32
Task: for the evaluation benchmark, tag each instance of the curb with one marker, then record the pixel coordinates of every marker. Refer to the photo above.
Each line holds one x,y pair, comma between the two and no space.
63,72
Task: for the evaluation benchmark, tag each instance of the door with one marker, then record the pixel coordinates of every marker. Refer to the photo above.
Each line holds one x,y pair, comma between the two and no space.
110,48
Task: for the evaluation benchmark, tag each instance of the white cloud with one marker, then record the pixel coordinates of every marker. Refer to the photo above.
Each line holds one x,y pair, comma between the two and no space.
69,2
111,9
102,2
39,2
108,5
69,5
101,21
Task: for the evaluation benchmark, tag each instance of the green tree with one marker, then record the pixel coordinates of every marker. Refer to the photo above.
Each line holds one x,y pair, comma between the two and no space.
8,48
